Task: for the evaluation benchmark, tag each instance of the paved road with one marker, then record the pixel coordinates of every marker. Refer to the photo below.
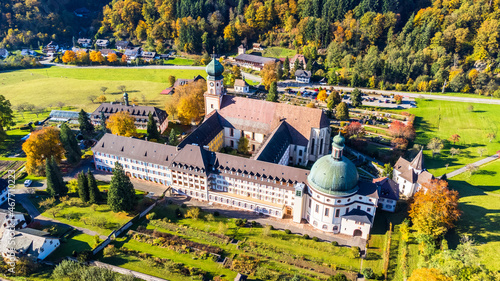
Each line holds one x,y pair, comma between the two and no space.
137,67
477,164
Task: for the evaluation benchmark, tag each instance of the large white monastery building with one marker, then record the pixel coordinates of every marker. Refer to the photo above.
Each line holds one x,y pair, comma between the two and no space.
329,197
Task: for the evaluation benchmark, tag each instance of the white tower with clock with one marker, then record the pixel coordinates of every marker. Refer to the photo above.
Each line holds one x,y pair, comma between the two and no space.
215,86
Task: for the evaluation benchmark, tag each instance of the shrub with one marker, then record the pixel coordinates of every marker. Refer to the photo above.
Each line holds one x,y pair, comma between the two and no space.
151,216
287,231
354,254
193,212
306,236
209,217
338,277
110,251
216,214
367,272
183,206
315,239
84,256
335,243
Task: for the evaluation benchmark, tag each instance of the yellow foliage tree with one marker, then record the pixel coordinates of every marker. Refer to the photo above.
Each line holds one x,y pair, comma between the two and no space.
42,145
112,57
69,57
96,57
188,102
82,57
122,124
101,99
311,105
322,95
427,274
269,74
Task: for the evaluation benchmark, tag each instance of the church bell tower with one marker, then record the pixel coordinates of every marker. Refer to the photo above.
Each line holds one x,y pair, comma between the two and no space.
215,86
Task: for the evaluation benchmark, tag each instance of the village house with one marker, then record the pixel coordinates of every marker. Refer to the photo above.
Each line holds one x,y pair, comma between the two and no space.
389,192
28,242
241,86
139,112
121,45
257,47
148,56
51,48
107,52
84,42
181,82
132,53
102,43
303,76
300,58
411,175
241,49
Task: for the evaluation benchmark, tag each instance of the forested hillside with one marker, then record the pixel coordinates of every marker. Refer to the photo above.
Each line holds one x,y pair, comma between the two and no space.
25,23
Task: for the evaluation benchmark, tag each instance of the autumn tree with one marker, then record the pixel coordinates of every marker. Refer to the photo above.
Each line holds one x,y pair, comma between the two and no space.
427,274
96,57
435,145
121,194
122,124
356,130
269,74
69,57
322,95
455,138
342,111
73,152
101,99
188,102
398,99
434,209
112,58
171,80
42,145
311,105
236,71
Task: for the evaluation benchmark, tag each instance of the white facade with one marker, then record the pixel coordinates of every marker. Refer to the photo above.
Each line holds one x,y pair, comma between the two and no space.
386,204
302,79
242,89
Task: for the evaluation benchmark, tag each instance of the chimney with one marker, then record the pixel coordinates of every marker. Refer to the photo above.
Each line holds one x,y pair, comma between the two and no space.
125,98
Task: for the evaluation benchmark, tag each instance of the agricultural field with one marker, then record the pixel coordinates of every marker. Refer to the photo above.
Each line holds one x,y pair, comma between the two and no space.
47,87
187,247
442,119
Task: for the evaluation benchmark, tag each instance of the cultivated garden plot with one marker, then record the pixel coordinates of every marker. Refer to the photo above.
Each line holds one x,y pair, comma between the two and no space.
179,243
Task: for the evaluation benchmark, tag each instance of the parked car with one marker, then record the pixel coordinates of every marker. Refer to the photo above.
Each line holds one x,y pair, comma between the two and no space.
27,183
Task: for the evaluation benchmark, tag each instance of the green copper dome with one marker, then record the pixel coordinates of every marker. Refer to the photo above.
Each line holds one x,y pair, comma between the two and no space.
215,68
334,174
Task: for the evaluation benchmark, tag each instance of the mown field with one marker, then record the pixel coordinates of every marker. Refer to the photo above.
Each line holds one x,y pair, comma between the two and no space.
72,86
442,119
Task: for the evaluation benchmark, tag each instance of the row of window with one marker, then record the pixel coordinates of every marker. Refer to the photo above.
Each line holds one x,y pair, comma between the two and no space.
156,166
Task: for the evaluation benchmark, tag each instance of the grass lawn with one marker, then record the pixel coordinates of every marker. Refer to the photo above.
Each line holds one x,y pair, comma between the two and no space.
73,86
278,52
78,242
251,82
179,61
480,204
442,119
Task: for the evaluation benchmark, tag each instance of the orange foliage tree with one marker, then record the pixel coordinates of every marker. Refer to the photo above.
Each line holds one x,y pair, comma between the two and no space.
112,57
188,102
322,95
434,209
69,57
42,145
427,274
122,124
96,57
269,74
455,138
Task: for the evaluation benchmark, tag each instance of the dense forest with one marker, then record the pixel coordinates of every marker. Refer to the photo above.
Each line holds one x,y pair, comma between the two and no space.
402,44
31,23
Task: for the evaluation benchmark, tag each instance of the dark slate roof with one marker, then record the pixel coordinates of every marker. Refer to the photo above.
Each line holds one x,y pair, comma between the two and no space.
192,159
263,117
359,216
303,73
122,44
388,188
136,149
418,161
182,82
276,145
254,58
205,132
368,189
137,111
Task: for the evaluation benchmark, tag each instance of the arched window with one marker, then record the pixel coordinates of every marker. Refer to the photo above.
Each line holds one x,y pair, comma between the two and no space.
325,227
312,146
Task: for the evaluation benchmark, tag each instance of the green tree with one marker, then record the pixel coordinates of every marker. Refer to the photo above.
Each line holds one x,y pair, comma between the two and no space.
342,111
171,80
286,68
103,122
6,116
83,187
243,145
272,95
387,171
86,127
172,138
152,129
73,153
356,99
338,277
94,192
333,100
121,195
55,182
